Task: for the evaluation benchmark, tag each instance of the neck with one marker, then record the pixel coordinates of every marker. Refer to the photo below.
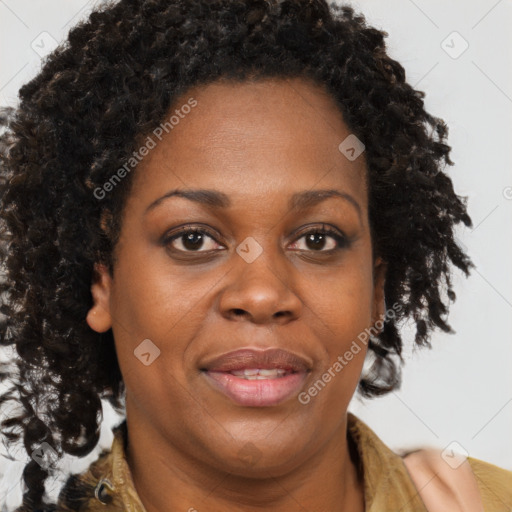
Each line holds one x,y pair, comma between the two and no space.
167,478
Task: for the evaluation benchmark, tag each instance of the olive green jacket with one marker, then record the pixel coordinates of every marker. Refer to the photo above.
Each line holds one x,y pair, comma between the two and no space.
107,485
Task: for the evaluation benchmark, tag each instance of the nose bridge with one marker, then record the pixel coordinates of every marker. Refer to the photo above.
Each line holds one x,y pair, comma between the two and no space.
261,283
260,260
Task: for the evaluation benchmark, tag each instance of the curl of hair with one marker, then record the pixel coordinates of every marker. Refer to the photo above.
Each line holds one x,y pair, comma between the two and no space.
109,85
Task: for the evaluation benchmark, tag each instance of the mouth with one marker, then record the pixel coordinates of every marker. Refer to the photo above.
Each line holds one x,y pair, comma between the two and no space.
256,378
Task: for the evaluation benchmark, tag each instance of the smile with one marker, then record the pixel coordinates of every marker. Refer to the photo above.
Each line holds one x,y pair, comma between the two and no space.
257,387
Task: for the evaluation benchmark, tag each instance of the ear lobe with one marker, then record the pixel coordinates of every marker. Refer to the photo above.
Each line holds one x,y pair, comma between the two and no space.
99,318
379,279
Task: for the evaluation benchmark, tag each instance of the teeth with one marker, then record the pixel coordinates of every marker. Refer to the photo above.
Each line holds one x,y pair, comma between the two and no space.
260,374
248,373
273,372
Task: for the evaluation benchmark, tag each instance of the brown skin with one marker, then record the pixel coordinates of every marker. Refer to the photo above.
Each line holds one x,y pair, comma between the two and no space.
258,143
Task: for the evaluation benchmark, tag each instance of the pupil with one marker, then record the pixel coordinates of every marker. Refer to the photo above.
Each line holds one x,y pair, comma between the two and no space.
191,242
319,238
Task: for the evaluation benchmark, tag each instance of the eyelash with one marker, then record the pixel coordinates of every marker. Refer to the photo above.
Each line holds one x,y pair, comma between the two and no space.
342,241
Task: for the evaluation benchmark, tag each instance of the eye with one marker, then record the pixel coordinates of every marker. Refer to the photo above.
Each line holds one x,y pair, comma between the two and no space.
190,240
316,239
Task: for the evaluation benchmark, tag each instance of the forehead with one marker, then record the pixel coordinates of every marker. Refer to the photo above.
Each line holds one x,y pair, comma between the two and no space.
252,137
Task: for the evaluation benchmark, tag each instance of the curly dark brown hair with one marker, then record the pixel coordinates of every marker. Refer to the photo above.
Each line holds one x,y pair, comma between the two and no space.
100,93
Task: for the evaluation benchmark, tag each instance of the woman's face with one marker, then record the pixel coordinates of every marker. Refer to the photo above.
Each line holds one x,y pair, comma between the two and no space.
255,279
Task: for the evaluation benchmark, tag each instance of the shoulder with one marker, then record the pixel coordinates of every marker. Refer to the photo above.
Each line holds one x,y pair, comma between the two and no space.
449,481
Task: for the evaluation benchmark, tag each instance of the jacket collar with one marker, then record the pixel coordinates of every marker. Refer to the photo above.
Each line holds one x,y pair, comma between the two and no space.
107,485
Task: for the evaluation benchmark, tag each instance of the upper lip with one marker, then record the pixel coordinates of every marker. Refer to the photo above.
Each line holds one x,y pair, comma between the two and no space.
248,358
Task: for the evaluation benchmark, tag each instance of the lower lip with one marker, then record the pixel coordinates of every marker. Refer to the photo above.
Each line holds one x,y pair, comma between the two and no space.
257,393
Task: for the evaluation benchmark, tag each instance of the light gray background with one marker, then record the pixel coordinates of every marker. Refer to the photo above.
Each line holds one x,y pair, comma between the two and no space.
462,389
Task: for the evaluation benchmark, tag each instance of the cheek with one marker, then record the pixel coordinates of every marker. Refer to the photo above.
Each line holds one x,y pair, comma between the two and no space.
152,301
343,303
342,310
154,315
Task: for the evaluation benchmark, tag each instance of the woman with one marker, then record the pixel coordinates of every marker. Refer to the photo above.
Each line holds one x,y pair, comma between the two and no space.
213,214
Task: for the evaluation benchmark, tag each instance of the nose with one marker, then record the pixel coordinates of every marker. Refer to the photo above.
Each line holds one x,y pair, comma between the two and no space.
260,292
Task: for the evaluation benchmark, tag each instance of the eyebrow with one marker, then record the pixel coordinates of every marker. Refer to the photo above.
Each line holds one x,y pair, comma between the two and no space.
216,199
